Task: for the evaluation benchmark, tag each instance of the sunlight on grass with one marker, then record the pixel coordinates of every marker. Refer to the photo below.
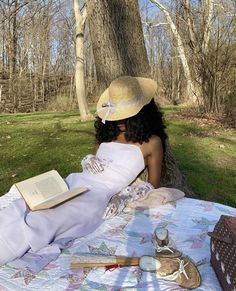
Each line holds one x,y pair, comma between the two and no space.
208,162
34,143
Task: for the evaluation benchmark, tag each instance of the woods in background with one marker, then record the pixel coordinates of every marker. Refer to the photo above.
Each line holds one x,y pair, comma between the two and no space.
36,53
190,46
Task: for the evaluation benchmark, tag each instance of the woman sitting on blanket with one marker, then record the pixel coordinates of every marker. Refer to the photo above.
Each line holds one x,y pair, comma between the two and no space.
130,134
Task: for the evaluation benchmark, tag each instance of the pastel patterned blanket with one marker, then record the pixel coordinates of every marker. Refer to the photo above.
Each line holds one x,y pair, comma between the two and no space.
188,221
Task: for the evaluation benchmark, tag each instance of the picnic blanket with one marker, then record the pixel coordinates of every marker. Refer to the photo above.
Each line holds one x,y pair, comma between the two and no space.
128,234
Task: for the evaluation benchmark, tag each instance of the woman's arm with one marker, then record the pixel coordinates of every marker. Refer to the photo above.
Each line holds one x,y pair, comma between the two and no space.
155,158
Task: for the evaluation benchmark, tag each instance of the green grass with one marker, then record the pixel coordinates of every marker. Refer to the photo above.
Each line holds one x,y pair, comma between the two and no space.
34,143
207,157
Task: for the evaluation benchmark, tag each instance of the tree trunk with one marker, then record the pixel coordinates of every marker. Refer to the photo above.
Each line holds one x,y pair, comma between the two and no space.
12,35
191,26
119,49
191,91
208,14
117,40
79,67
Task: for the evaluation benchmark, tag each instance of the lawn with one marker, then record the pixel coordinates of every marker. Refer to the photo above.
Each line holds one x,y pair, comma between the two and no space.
34,143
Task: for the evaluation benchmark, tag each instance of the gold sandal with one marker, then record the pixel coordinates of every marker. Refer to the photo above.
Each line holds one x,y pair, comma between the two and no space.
181,270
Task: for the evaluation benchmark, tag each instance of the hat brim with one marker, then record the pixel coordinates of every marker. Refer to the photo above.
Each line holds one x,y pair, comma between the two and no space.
148,87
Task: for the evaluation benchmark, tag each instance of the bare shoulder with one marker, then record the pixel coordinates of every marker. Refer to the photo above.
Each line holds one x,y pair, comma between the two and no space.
155,141
153,155
154,146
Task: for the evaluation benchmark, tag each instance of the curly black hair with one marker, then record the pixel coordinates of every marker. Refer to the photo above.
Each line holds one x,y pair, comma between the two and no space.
139,128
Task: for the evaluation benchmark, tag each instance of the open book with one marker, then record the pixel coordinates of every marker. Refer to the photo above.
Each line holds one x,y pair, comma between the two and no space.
46,190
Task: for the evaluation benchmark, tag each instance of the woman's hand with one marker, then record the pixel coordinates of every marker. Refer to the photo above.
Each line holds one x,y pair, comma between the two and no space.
92,164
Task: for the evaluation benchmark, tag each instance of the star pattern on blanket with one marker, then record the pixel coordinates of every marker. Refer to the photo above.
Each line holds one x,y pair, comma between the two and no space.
203,223
206,205
144,236
103,249
25,274
137,273
76,278
165,220
92,285
50,266
118,230
197,240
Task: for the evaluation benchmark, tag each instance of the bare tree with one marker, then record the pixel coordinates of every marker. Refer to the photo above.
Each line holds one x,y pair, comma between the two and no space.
210,49
201,35
191,90
37,57
80,18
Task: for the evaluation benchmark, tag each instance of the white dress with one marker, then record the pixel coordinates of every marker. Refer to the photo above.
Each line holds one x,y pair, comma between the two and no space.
22,230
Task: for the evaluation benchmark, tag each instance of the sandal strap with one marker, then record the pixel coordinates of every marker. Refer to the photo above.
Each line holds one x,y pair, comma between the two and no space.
176,274
160,249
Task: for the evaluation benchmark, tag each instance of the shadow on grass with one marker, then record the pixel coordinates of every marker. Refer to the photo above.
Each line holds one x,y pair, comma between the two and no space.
208,169
227,140
39,115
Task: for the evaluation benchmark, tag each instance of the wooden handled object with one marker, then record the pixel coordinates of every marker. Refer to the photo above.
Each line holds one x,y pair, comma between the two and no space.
90,261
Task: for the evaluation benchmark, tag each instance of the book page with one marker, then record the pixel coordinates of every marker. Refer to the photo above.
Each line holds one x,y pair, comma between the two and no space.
48,187
57,199
37,189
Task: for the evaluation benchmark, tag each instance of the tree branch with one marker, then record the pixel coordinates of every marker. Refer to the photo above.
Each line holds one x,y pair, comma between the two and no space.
150,24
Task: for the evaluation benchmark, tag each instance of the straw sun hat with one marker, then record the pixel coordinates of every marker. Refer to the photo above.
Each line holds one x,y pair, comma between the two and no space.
125,97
